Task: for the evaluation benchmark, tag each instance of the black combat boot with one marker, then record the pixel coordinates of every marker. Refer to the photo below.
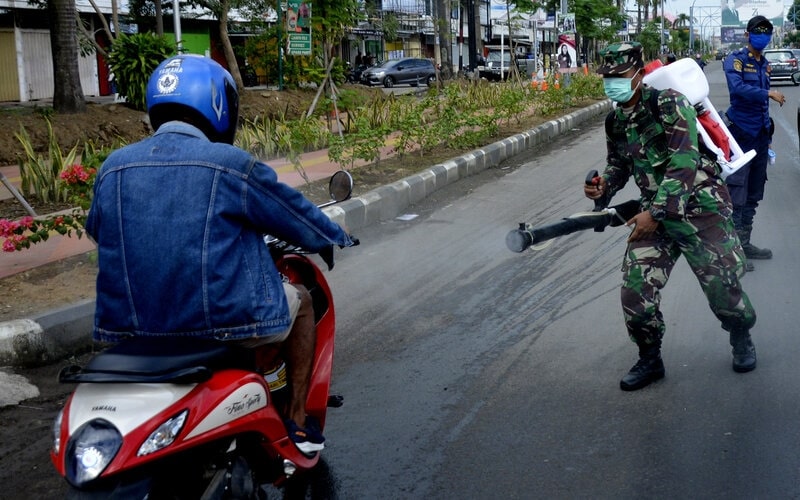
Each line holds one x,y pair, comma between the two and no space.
648,369
744,352
751,251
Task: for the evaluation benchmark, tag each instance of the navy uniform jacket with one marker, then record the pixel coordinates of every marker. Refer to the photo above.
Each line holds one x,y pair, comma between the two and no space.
748,85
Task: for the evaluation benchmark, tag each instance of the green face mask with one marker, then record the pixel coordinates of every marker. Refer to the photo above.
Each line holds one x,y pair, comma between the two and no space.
619,89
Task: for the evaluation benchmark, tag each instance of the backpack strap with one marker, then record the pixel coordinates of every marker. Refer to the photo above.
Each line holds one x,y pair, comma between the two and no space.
653,103
610,122
656,112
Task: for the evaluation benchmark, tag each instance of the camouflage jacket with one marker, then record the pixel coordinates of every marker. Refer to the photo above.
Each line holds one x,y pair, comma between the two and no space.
678,185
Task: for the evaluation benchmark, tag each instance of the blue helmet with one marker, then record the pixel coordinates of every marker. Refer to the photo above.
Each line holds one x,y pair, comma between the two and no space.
197,90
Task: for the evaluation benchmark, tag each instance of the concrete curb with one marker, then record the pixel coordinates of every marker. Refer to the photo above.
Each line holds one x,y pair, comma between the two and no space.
65,332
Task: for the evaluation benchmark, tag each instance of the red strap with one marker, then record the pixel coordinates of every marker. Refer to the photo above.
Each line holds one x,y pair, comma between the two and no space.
652,66
715,132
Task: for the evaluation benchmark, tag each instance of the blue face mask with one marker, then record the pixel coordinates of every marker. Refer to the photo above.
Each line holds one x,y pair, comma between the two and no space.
759,41
619,89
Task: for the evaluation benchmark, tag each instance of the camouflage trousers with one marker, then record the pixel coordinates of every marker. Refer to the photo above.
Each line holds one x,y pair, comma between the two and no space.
715,256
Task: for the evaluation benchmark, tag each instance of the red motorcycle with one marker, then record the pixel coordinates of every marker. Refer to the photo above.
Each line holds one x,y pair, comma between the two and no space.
189,418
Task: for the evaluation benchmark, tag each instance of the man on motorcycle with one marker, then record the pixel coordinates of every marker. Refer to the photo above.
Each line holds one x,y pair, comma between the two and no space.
179,220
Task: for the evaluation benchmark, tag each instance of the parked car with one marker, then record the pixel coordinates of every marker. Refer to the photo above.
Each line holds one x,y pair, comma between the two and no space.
491,66
494,64
410,70
720,55
783,63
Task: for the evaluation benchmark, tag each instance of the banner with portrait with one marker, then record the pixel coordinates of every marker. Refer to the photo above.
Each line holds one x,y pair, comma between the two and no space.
736,13
566,54
729,34
566,23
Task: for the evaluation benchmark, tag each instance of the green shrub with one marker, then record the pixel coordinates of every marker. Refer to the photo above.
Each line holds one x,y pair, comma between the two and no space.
364,144
39,175
586,87
133,59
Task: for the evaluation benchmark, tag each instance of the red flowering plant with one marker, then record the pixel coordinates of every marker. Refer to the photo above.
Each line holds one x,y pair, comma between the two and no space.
78,181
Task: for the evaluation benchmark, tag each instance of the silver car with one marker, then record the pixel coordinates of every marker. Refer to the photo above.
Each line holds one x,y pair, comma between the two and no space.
410,70
783,64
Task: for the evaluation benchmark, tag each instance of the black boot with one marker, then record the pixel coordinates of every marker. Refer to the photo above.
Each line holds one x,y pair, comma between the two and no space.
648,369
751,251
744,352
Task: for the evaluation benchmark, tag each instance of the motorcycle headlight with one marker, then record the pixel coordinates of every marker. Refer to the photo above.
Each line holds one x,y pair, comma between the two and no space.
164,435
57,432
89,451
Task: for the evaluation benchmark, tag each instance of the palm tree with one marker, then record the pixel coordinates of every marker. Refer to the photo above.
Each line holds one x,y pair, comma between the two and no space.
683,21
67,92
641,5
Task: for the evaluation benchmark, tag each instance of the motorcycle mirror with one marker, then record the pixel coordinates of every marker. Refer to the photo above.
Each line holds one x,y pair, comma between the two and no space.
340,186
796,77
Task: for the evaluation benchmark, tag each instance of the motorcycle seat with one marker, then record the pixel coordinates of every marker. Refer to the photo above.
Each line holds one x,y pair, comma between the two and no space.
161,360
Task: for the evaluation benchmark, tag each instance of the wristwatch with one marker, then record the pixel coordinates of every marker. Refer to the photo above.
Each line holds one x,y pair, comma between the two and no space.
658,213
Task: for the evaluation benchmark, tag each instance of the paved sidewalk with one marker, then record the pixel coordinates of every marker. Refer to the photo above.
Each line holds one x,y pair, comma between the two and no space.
315,164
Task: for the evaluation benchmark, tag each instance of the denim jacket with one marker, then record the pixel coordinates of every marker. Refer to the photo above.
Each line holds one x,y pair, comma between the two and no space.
178,222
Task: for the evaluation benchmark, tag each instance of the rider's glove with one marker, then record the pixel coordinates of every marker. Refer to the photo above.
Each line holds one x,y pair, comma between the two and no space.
327,256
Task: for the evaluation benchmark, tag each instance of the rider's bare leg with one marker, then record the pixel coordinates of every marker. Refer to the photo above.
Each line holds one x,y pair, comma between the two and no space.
299,356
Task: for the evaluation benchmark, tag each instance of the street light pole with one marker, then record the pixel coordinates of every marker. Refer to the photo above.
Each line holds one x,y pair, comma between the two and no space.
662,26
691,27
177,26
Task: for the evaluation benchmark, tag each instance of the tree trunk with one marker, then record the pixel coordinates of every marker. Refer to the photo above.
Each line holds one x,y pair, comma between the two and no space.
67,94
445,40
639,17
159,18
227,48
479,41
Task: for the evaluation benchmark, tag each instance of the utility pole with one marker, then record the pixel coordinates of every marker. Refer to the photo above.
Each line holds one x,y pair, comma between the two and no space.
472,33
661,49
280,48
177,23
535,46
460,39
437,50
691,27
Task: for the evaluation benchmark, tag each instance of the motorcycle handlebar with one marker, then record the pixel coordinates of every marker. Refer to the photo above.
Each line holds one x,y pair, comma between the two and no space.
279,247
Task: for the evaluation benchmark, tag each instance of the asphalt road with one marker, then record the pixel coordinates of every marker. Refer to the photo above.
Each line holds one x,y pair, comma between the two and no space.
472,372
469,371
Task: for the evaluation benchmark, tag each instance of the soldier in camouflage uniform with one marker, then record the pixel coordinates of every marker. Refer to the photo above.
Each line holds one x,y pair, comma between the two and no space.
686,211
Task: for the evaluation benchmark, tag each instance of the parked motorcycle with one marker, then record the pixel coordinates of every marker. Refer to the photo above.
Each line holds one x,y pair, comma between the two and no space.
190,418
353,74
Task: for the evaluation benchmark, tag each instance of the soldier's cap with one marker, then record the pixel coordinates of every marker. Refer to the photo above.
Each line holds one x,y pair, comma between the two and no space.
759,22
618,58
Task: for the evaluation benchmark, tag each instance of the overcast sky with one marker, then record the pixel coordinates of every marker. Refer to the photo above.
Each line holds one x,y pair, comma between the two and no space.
676,7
